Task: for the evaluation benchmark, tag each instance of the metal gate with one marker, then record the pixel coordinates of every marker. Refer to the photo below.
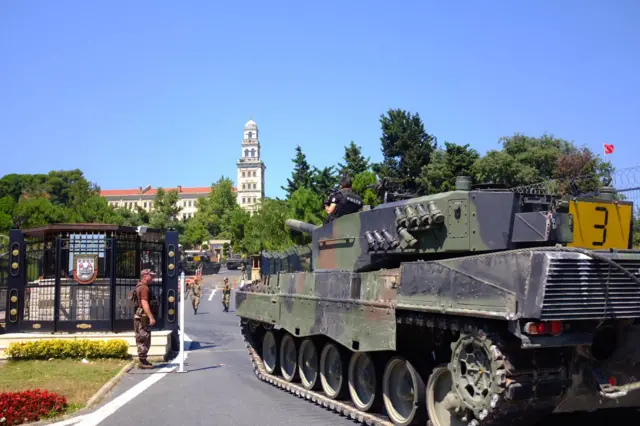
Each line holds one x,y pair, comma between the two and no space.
65,278
4,269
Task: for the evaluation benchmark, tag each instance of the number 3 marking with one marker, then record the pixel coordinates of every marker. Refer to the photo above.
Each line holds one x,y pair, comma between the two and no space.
602,226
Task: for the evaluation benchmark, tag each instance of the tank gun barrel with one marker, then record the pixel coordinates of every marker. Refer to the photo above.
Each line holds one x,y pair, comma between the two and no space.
298,225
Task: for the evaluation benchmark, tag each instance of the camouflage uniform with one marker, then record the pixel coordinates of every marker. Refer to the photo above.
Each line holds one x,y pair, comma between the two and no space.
226,295
141,326
196,291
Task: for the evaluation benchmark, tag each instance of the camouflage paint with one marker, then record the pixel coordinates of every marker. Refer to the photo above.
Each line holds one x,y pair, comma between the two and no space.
341,300
494,258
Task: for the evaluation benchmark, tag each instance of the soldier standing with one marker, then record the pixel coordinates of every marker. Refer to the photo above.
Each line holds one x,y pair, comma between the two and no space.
196,290
143,319
226,294
243,268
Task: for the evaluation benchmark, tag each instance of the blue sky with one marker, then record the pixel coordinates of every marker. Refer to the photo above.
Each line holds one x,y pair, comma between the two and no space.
157,92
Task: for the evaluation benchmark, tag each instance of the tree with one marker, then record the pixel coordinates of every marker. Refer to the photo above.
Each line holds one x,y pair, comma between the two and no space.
525,160
361,186
446,164
302,175
37,211
217,210
126,217
6,214
584,168
324,181
406,148
266,230
354,161
195,232
165,211
305,205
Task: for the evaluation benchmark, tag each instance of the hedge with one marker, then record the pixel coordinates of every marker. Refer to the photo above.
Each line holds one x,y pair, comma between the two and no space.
29,406
68,348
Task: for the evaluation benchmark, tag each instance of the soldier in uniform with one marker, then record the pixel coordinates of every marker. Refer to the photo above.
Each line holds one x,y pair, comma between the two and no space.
226,294
243,269
196,291
143,318
343,202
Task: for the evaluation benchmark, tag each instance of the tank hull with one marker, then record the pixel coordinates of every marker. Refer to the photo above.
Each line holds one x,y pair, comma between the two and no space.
431,317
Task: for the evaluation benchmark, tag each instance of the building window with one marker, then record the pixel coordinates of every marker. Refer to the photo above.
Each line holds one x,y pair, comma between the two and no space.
243,174
243,186
250,135
244,201
254,186
253,152
254,173
246,152
254,200
145,204
189,205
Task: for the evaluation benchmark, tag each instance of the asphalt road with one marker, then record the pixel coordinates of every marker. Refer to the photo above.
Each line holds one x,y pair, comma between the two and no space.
220,388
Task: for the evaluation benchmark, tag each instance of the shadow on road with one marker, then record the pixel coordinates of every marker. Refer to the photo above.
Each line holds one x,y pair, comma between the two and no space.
204,345
211,367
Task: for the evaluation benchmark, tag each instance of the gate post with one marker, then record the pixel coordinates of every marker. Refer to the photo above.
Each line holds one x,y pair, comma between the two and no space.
16,281
170,283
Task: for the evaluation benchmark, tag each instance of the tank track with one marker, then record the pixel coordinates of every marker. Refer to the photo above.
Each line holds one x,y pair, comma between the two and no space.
340,407
513,378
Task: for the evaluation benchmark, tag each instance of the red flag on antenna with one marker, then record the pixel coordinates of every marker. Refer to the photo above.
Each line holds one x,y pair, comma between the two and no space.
608,149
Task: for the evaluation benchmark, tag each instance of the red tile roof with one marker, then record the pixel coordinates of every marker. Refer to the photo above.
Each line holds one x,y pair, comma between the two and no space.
154,191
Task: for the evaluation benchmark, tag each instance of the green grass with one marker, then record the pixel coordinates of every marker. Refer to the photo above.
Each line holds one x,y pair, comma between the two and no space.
68,377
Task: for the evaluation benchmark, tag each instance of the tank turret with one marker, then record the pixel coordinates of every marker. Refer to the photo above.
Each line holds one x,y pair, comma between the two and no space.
462,220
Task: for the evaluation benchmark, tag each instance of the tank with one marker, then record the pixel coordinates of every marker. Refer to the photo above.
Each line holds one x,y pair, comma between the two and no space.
471,307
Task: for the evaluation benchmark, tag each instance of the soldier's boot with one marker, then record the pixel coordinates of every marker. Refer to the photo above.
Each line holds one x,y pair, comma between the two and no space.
144,364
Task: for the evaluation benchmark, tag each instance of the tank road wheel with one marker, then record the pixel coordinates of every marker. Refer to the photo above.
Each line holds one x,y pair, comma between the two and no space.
253,326
270,352
443,403
479,372
403,392
308,364
289,358
333,369
363,381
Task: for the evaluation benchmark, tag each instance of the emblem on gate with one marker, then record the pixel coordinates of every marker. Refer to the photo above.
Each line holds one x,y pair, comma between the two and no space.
86,270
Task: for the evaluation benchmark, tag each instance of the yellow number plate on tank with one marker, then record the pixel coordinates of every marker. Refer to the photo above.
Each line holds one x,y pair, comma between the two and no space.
600,225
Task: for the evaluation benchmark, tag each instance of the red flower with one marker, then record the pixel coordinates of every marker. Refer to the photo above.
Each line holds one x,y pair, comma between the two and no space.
21,407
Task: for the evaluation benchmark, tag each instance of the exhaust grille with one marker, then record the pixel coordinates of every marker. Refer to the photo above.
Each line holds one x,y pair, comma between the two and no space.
576,289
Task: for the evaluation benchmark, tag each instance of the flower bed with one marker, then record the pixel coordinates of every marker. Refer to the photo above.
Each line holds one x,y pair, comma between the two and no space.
29,406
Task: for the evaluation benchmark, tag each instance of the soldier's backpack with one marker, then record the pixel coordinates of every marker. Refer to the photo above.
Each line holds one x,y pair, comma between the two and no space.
132,298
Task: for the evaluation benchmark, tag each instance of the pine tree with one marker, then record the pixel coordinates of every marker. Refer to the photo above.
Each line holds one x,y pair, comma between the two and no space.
302,176
406,148
354,161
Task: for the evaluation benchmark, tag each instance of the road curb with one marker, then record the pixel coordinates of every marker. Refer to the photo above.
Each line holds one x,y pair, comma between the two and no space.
68,418
110,384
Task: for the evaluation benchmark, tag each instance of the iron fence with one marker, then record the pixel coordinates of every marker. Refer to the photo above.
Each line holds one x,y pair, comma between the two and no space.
79,279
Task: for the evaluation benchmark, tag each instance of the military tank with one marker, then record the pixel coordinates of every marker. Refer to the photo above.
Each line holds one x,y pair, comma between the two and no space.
471,307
